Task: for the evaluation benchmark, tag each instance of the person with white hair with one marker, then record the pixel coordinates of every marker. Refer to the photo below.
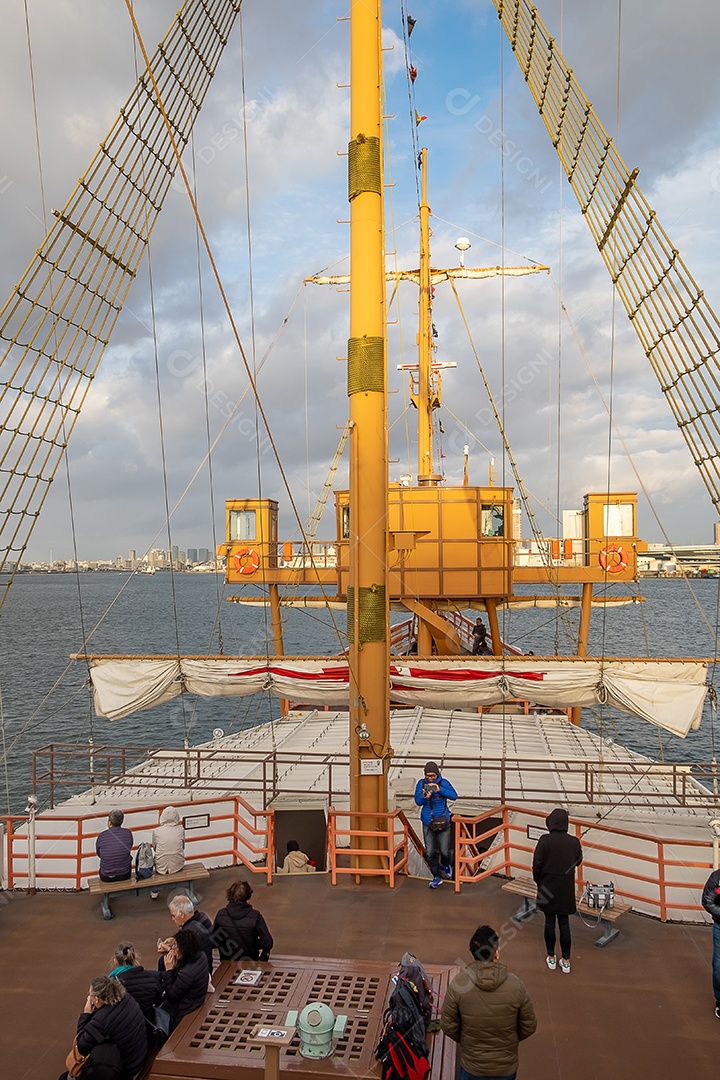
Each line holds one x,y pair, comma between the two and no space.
183,914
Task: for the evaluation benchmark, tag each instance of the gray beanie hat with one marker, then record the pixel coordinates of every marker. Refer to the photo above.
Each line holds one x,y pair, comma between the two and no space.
432,766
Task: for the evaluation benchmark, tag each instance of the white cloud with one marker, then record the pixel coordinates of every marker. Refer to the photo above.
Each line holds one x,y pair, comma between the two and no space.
294,57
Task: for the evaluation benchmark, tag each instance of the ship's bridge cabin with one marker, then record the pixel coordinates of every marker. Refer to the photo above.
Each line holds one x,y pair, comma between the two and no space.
444,543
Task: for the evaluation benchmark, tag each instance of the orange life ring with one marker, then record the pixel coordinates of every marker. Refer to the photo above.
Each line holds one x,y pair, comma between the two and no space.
613,559
247,561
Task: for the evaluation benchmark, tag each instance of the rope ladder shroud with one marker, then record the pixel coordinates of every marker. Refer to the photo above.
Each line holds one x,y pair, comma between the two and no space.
678,330
57,321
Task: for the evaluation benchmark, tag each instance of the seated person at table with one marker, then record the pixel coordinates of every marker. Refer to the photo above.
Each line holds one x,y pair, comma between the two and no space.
112,1031
239,931
184,976
141,984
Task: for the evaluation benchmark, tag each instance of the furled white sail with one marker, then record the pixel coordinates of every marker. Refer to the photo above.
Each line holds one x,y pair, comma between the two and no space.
669,693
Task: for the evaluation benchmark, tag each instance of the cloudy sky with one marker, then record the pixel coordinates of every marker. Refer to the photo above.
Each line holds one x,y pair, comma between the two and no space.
667,122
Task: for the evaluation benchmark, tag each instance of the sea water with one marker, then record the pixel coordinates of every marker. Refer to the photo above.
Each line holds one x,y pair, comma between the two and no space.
46,698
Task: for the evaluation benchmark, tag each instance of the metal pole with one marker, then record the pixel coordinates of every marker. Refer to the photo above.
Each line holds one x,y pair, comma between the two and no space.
31,811
368,612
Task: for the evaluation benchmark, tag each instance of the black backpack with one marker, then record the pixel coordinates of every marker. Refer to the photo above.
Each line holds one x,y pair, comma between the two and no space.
402,1048
413,972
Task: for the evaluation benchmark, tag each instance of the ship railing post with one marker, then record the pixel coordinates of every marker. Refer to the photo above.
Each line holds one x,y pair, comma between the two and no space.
31,811
661,880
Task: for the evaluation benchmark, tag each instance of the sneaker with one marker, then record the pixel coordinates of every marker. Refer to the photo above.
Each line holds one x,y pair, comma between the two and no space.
565,967
154,895
435,882
551,962
717,1011
448,872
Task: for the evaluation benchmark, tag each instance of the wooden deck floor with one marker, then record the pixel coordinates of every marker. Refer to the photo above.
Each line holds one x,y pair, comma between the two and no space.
642,1006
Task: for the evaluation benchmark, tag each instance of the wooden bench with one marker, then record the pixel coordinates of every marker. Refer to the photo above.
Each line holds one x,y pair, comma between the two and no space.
527,888
186,876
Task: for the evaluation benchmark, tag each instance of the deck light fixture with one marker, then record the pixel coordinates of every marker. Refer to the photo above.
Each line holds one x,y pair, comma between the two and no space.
463,245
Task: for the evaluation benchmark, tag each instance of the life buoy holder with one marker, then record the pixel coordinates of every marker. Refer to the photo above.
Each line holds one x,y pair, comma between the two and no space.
613,559
247,561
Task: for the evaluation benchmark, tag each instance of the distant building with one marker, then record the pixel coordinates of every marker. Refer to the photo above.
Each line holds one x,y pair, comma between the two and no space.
203,555
192,555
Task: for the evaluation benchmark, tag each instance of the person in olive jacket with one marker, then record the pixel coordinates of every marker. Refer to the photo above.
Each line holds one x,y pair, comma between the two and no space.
488,1012
556,856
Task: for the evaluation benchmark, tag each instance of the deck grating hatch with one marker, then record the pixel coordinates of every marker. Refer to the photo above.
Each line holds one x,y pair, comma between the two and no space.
212,1043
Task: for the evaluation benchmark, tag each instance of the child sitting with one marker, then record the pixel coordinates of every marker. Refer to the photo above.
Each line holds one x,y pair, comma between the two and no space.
296,861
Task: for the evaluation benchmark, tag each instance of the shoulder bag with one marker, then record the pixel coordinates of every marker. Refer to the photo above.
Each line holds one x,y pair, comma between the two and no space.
159,1026
75,1060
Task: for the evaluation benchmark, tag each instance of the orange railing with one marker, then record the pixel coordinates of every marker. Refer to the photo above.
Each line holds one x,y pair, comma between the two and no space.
234,833
388,850
643,866
510,849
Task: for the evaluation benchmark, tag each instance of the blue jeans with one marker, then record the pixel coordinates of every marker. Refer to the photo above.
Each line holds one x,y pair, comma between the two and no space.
437,848
716,962
465,1075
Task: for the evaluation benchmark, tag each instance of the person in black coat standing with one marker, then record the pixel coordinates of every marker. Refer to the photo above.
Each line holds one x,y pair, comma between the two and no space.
239,931
556,856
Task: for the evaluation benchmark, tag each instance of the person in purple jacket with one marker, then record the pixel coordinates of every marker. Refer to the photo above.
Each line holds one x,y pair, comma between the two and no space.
113,847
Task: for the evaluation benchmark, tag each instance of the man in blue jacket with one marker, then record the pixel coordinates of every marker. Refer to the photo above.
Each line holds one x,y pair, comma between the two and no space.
431,794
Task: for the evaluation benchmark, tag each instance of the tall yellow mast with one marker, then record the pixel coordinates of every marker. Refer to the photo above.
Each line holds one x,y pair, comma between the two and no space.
426,471
368,613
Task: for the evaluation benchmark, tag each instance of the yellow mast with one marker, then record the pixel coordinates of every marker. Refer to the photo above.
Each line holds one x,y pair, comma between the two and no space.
426,471
368,612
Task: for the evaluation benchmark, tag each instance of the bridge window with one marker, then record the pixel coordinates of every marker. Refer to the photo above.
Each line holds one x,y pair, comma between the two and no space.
492,521
618,519
242,525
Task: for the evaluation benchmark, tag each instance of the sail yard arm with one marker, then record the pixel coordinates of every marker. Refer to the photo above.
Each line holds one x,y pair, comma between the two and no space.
475,273
59,318
677,328
667,692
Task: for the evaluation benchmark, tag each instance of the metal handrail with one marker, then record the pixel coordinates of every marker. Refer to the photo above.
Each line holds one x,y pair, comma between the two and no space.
511,776
250,829
467,857
391,856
